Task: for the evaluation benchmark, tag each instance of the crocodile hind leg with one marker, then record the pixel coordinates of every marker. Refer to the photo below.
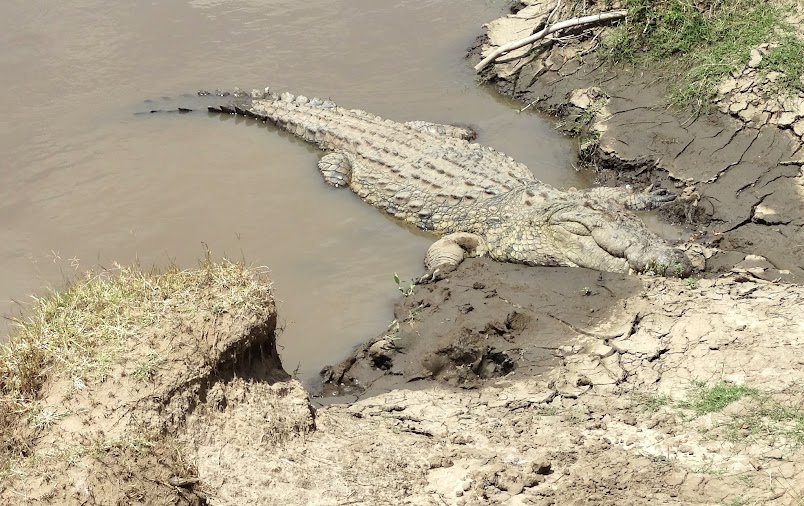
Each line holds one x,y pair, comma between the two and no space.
336,169
459,132
447,253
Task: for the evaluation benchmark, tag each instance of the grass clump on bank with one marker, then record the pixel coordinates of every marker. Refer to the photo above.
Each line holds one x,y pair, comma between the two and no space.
703,42
704,399
82,331
759,416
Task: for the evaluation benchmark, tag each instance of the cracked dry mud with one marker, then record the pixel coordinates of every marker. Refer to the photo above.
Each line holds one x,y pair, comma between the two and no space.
739,173
593,407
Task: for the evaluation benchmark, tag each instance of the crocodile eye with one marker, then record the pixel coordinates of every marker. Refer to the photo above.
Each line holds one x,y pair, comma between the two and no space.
576,228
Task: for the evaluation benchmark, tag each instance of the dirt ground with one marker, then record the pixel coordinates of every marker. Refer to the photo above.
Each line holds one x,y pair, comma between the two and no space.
559,386
502,384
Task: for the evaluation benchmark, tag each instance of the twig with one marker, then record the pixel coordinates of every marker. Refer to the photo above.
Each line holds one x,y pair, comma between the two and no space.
585,20
531,104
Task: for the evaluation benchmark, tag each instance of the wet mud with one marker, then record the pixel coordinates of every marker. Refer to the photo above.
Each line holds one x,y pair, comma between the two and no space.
488,320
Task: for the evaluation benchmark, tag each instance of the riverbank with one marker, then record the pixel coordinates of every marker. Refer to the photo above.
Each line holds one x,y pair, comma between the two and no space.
617,389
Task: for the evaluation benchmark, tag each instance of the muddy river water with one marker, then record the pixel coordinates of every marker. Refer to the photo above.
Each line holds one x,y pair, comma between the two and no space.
84,182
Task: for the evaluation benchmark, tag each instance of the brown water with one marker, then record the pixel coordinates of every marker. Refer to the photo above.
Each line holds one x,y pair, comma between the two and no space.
84,182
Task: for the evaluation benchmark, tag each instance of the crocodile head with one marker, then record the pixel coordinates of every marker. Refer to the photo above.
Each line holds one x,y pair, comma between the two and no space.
610,239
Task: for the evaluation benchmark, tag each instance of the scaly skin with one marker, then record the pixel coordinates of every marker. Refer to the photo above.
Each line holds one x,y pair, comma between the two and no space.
480,200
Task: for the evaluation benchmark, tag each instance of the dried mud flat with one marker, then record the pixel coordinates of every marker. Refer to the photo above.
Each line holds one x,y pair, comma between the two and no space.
500,385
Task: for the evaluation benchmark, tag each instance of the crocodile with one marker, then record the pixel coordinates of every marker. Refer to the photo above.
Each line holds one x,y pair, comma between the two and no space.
478,200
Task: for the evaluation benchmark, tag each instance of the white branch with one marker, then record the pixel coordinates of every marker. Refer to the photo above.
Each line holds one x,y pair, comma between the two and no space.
585,20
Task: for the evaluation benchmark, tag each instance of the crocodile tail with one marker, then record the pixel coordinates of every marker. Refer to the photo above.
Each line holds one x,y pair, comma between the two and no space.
292,113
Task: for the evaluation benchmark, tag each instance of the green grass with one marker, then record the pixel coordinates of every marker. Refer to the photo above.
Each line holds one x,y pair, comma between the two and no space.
699,44
765,417
703,399
651,403
760,416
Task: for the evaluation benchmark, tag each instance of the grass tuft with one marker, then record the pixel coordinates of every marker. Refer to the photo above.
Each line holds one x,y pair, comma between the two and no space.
81,332
701,43
703,399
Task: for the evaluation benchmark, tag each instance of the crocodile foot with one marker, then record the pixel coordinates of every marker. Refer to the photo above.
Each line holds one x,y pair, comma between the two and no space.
447,253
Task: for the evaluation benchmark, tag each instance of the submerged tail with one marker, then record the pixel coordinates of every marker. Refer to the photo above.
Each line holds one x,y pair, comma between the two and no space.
236,101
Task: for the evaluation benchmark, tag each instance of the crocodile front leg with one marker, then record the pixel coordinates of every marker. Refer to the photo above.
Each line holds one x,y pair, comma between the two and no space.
447,253
634,201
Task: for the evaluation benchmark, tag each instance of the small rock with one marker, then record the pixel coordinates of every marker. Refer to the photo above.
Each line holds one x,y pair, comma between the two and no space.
602,351
675,479
773,106
785,119
774,76
798,128
726,87
580,99
541,467
756,58
767,215
380,353
748,113
761,118
738,106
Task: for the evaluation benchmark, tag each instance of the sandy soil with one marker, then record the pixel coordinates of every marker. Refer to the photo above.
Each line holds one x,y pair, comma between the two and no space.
501,384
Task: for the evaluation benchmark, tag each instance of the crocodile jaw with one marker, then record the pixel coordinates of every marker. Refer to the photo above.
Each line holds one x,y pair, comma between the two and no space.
582,236
614,241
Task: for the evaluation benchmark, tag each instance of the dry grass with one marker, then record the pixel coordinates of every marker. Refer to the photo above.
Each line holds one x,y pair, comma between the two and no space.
82,331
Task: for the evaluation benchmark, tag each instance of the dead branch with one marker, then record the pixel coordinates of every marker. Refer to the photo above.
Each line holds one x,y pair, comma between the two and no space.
585,20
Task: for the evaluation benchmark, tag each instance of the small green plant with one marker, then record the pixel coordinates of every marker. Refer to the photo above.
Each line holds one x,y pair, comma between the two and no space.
703,399
766,417
147,367
585,291
651,403
405,291
545,411
140,443
45,418
786,58
392,332
692,282
710,469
